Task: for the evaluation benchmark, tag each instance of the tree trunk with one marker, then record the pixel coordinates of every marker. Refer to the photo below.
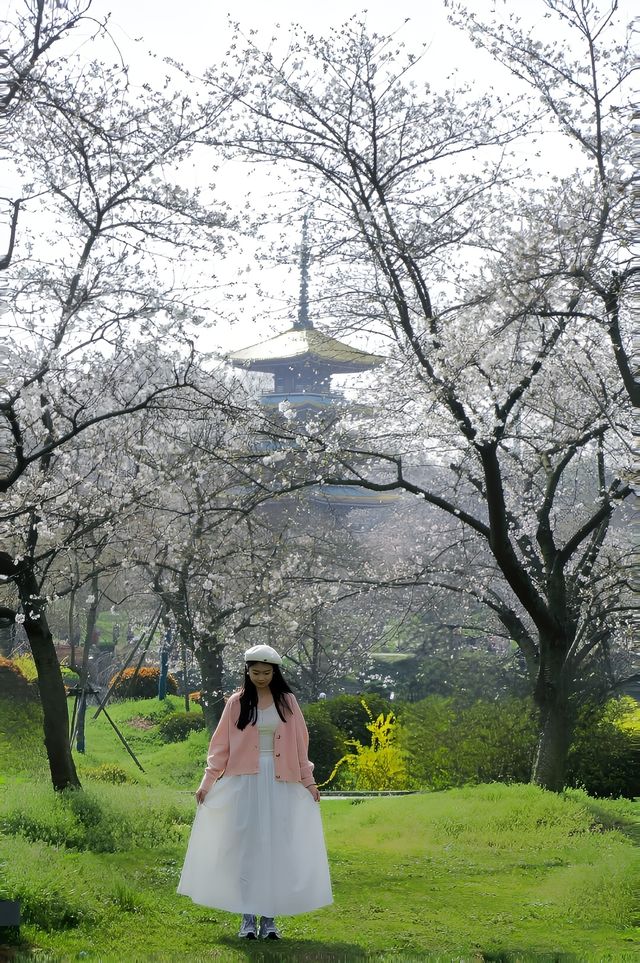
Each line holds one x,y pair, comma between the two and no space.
315,662
556,720
51,687
71,623
92,618
164,672
209,656
80,720
553,747
185,680
53,695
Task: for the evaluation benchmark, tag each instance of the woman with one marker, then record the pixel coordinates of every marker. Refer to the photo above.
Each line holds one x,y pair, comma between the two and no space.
257,846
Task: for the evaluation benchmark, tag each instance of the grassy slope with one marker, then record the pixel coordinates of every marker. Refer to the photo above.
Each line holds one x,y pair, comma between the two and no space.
21,738
179,764
490,872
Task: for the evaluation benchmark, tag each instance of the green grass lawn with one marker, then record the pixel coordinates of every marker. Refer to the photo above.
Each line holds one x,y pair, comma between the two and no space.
493,872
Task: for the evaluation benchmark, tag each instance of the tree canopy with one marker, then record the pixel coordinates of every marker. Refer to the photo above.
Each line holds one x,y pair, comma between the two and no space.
479,237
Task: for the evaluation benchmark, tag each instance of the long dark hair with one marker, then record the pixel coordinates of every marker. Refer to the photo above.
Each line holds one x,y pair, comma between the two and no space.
249,697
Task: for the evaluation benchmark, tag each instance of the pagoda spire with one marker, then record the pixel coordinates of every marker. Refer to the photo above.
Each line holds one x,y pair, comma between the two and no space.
304,322
302,359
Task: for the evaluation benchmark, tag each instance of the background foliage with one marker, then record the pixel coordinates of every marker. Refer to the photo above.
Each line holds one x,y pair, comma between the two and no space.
141,684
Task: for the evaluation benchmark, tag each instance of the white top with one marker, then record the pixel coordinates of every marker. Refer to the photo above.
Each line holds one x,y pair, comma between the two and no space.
268,722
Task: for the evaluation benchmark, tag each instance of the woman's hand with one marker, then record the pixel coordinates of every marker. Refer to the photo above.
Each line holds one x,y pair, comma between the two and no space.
313,789
200,795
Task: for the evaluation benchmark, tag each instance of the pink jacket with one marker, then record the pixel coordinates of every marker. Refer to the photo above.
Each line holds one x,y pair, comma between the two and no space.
236,752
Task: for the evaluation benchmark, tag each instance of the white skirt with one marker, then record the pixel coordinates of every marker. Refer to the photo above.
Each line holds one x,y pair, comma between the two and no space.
257,846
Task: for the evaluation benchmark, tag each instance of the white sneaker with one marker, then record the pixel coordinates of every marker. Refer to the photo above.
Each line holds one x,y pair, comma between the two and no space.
248,928
268,929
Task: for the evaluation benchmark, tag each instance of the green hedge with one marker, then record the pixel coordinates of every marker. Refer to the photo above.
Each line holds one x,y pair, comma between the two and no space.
69,677
450,745
326,742
453,746
348,715
14,683
177,727
604,758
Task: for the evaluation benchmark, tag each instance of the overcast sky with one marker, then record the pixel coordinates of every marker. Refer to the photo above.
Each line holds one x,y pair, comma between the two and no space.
197,33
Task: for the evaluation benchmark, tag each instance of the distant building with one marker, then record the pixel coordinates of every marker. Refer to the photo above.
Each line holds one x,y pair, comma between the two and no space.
302,361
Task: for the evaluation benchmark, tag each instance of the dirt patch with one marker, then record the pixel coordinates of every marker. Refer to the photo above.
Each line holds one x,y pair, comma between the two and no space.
139,722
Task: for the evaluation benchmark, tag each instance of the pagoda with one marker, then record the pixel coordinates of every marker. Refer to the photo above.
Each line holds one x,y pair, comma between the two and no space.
302,359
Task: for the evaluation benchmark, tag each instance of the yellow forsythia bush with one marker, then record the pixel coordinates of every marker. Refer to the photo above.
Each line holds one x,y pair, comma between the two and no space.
381,766
141,685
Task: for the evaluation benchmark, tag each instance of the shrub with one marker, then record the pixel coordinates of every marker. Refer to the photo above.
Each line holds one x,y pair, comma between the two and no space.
153,710
27,666
21,736
142,684
326,742
177,727
13,682
347,713
425,734
107,772
495,741
449,745
378,766
604,758
69,677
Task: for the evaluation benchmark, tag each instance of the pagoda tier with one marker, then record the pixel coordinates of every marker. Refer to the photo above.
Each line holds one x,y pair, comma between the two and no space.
302,360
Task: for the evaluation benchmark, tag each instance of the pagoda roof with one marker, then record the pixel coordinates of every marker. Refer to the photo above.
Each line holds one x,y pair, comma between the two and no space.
304,344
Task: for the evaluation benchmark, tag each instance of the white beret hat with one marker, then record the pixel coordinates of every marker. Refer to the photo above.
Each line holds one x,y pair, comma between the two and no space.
262,653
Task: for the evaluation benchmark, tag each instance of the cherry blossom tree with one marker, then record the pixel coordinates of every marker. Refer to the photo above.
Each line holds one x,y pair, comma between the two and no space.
233,559
68,519
208,559
588,99
30,42
492,282
93,294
